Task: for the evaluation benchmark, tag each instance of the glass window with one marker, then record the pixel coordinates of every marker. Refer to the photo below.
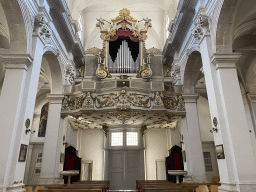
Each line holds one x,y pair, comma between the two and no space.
117,139
208,162
132,139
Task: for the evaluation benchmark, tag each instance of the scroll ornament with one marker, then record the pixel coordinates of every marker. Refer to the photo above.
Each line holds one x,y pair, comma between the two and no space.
42,28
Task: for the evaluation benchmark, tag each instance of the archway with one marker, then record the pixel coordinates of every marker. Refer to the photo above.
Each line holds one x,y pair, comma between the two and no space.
194,84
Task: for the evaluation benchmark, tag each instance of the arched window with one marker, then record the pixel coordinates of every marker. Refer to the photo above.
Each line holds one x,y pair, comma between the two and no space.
43,120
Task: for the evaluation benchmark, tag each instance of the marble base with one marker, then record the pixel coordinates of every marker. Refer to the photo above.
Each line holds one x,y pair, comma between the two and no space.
237,187
13,188
49,181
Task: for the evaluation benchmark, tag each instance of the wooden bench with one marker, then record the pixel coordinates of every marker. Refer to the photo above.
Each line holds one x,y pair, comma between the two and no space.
82,186
71,190
146,186
104,187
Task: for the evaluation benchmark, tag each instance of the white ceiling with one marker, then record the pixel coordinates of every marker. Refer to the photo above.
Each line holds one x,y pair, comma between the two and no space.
89,10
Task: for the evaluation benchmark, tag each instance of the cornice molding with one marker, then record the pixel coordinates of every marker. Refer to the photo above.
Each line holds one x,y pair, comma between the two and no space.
17,61
225,61
55,98
190,97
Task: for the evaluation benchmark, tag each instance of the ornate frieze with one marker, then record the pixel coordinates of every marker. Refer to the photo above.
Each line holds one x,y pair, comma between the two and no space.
173,103
122,101
123,98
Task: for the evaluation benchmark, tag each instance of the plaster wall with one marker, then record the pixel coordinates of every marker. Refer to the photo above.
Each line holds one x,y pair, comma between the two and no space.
249,120
156,149
71,136
204,119
92,149
180,126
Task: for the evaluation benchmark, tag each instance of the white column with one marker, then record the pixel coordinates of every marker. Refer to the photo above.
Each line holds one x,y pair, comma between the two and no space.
11,107
237,170
50,173
192,140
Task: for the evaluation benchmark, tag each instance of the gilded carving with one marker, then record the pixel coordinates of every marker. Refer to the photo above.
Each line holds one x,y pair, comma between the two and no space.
122,101
144,72
180,104
132,99
124,14
88,100
123,115
101,72
170,102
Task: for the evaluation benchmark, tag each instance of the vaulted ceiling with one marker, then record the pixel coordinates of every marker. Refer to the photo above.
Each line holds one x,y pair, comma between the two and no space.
89,10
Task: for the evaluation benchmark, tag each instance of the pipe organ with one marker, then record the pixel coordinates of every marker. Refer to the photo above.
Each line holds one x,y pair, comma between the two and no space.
124,62
123,46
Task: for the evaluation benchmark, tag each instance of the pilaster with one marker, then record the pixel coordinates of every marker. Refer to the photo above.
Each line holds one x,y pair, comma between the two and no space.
50,172
192,140
237,169
11,102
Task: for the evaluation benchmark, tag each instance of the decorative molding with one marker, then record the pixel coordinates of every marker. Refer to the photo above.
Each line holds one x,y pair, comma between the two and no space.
17,61
122,101
70,73
225,61
55,98
201,27
190,98
42,28
153,50
95,51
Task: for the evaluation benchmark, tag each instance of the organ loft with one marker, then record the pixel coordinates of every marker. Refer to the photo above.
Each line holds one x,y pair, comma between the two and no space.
107,96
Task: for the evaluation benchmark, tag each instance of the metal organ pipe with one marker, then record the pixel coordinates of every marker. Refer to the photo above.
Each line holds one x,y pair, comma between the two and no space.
124,62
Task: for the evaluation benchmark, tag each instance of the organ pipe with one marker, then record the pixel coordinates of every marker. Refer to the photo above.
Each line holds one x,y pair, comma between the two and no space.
124,62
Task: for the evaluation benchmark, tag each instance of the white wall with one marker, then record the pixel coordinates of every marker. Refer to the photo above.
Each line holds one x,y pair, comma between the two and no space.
92,149
156,148
71,136
204,119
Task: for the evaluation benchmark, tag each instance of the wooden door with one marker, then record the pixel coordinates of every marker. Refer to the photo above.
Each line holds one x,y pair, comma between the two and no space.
116,170
125,167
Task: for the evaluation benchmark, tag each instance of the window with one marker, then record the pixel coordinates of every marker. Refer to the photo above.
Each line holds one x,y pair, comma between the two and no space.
208,162
117,139
167,26
132,139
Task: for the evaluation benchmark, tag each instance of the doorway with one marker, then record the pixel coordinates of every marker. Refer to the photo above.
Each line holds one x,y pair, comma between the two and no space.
33,168
210,161
124,158
125,167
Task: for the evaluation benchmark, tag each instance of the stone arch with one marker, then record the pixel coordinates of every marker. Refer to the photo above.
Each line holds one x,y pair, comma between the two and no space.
19,26
192,72
56,70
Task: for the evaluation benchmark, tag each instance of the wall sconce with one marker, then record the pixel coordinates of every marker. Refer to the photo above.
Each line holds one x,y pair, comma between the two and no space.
215,123
214,129
29,130
27,124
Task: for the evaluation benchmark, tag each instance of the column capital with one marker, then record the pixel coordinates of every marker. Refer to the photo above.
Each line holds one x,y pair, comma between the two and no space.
190,97
55,98
225,61
17,61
